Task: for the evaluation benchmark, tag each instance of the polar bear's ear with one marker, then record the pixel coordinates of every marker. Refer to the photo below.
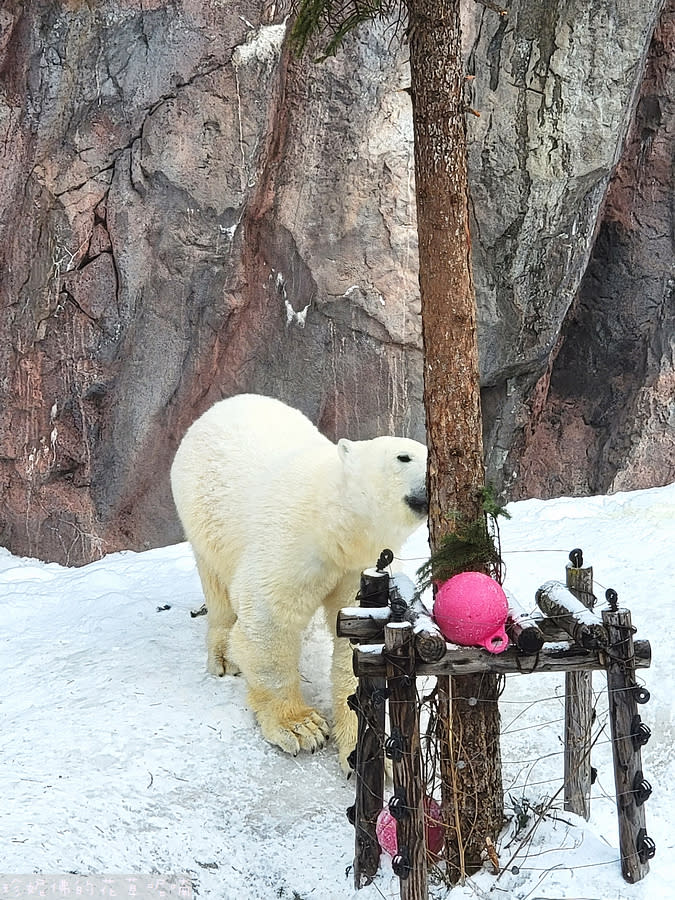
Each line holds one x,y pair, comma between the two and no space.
344,448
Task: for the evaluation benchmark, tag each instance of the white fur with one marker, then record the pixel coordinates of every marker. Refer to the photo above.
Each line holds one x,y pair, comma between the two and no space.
281,520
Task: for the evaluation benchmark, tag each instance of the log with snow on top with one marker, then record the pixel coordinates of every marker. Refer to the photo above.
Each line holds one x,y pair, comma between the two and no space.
580,623
366,624
522,628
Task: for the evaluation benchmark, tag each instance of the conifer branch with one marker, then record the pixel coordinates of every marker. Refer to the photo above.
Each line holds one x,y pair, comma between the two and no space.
333,19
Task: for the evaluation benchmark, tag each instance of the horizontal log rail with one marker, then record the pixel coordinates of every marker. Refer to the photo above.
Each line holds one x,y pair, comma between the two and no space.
369,659
364,624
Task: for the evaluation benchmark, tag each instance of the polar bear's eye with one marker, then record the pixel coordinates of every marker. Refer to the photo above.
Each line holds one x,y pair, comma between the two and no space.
404,457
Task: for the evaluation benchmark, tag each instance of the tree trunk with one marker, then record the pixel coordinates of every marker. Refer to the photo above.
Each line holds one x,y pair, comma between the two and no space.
452,393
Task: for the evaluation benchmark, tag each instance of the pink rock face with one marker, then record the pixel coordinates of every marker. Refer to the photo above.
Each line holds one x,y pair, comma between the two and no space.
471,609
185,216
385,829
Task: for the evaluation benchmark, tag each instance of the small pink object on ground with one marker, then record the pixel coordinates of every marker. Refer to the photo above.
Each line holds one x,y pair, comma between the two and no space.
471,609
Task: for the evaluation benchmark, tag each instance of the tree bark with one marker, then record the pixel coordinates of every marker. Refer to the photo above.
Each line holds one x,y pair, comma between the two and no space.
452,393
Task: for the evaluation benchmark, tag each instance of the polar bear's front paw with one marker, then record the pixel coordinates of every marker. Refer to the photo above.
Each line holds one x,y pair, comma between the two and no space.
218,664
295,730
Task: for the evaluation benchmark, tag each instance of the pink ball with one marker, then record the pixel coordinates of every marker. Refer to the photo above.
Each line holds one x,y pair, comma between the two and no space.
385,829
471,609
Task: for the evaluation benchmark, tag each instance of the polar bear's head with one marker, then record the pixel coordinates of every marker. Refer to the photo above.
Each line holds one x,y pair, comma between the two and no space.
388,475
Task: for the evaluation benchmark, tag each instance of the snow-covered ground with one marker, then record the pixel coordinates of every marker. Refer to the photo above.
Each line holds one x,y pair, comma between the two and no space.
119,754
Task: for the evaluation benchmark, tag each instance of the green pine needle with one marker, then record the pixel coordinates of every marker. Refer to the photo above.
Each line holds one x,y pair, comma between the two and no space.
471,547
491,507
334,20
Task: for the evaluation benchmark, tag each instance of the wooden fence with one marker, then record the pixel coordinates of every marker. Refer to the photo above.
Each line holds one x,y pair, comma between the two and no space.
395,641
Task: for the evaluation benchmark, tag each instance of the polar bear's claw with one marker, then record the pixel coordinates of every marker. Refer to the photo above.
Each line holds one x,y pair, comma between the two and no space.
303,731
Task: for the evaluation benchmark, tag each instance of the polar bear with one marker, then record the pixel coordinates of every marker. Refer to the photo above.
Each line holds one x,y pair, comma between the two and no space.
281,520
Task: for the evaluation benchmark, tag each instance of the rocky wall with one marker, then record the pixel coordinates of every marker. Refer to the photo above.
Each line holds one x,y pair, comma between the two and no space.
186,211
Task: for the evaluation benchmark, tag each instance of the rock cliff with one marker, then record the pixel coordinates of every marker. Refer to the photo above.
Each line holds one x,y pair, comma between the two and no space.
187,212
604,415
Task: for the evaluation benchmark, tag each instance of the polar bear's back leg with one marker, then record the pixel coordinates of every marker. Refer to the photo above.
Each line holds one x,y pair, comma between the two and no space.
221,618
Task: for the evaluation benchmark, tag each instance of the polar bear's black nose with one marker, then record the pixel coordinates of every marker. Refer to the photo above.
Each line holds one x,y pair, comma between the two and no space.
418,502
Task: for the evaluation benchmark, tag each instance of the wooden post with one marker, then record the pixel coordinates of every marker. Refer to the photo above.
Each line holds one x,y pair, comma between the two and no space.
628,735
403,745
369,705
579,706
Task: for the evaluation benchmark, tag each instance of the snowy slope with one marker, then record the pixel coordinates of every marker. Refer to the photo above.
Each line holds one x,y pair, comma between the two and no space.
120,754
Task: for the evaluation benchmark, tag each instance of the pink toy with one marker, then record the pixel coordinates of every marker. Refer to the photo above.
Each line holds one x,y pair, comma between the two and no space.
471,608
385,829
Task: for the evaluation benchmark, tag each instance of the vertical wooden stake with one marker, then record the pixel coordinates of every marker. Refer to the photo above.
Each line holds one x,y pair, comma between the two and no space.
578,707
410,863
627,756
369,768
370,706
